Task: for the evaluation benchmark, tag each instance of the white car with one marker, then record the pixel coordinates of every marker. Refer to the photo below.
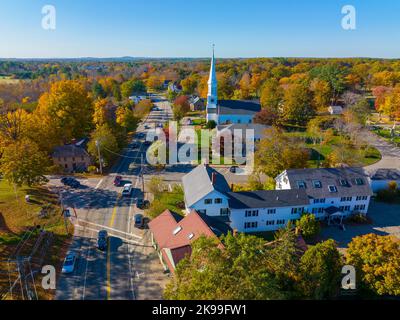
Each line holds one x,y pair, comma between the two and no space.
69,263
127,190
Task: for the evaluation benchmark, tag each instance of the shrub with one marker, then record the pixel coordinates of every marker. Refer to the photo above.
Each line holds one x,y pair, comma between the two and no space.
211,124
92,169
388,195
308,226
358,218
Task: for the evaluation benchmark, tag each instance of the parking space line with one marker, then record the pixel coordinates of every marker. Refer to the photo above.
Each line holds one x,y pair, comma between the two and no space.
98,185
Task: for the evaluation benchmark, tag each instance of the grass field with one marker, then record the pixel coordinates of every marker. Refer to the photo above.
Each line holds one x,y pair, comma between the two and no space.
17,217
8,80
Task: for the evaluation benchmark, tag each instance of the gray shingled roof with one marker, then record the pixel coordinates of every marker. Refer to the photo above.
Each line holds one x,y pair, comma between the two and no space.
238,107
259,129
69,151
197,184
267,199
386,174
331,177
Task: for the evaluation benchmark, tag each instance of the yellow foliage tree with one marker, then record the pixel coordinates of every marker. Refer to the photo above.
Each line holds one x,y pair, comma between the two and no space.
377,261
65,112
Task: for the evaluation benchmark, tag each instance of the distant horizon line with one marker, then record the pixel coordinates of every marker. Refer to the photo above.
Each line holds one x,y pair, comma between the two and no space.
195,58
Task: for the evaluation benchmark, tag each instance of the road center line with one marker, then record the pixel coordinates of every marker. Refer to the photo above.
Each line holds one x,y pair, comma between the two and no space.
108,283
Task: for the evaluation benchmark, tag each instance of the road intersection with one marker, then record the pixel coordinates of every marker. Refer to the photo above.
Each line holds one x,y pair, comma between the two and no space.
129,269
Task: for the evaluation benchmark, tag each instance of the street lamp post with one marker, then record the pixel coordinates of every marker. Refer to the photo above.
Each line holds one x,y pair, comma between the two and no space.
99,155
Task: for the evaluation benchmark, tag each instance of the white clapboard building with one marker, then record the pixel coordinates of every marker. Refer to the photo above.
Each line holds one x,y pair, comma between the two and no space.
331,193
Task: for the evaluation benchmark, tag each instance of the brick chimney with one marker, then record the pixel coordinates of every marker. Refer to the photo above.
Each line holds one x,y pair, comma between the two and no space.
213,178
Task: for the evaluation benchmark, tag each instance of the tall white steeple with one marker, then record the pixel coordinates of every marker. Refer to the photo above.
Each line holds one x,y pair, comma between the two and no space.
212,85
212,96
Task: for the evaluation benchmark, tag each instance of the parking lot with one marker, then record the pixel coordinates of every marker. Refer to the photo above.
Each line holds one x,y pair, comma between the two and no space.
385,221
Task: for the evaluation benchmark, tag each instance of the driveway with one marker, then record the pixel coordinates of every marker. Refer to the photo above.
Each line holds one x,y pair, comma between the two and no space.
385,221
390,153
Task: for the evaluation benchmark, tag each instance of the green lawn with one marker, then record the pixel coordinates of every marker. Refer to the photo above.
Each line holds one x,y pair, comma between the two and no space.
174,201
321,151
386,135
195,114
198,122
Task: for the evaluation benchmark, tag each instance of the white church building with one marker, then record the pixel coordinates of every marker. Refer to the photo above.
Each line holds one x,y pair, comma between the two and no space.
227,111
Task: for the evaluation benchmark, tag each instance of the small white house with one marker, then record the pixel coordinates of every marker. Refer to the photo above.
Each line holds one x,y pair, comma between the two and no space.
381,178
335,110
205,191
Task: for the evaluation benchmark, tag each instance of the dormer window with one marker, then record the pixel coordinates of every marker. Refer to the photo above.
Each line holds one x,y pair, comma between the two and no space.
317,184
177,230
332,189
301,184
344,182
190,236
359,181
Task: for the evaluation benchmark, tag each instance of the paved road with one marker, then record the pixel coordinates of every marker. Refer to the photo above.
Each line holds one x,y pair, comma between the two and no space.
390,153
129,269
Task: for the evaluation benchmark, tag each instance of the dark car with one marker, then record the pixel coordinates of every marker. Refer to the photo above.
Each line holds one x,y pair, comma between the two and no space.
233,169
69,181
73,183
139,203
102,240
64,180
139,221
117,181
142,204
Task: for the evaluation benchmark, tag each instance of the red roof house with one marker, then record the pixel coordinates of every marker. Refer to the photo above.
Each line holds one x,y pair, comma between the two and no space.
172,234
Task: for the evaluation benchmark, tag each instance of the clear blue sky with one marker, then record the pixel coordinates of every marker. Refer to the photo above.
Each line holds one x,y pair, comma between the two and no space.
187,28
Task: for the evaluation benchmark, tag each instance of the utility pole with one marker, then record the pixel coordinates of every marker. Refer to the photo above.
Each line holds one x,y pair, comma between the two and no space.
99,155
64,212
141,173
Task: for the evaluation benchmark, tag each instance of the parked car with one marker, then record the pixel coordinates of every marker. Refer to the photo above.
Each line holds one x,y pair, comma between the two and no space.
74,183
139,203
69,181
102,239
233,169
146,126
127,191
142,204
69,263
117,181
64,180
140,135
67,213
139,221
